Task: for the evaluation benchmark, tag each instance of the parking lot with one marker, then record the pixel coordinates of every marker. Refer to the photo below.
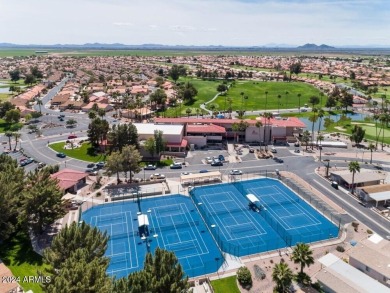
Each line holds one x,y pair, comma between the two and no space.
28,163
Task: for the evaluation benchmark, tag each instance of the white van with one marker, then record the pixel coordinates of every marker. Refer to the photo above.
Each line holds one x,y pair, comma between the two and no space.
273,150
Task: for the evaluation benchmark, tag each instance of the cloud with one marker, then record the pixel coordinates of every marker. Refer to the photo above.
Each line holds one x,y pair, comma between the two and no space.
182,28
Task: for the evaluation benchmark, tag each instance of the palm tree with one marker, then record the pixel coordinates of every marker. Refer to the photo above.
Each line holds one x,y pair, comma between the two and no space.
371,147
282,276
188,111
258,125
279,97
313,119
321,114
306,138
267,116
320,138
376,118
212,108
16,135
302,255
245,101
39,103
353,168
242,100
266,100
197,112
230,101
286,93
9,134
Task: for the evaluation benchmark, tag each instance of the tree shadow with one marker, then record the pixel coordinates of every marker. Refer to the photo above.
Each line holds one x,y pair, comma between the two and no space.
18,250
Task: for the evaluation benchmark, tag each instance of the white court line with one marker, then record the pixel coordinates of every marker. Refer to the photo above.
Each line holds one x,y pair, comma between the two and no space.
223,227
298,207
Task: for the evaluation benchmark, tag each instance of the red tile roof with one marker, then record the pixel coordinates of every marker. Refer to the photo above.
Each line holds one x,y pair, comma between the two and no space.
205,128
183,144
68,178
287,122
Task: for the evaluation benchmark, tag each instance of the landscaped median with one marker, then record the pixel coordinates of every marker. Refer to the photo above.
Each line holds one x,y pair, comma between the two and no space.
225,285
85,152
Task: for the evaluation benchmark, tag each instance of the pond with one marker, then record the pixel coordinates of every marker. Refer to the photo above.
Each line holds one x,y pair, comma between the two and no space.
353,116
4,88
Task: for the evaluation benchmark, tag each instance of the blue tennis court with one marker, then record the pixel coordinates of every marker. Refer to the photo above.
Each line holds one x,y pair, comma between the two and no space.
173,224
283,219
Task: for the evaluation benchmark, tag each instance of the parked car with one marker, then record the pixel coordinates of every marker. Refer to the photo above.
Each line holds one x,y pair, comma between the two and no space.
273,150
91,165
209,160
203,171
41,165
251,150
335,185
176,166
235,172
216,163
157,176
185,173
72,136
150,167
100,165
303,110
297,151
61,155
296,144
278,160
90,171
221,158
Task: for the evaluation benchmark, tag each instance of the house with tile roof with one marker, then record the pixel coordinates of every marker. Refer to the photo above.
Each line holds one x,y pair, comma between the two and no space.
70,180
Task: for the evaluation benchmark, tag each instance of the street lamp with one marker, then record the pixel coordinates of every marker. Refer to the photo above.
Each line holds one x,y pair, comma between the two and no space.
320,147
327,167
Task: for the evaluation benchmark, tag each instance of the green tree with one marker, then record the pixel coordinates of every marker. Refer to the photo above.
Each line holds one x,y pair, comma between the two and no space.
295,68
97,131
14,75
302,255
12,116
76,260
314,100
130,160
372,148
16,136
346,100
39,103
330,103
9,135
279,97
357,135
159,97
92,115
162,273
30,79
313,118
244,277
114,164
176,71
150,146
11,186
267,118
282,276
188,111
306,138
187,92
41,201
222,88
71,122
160,142
5,107
353,167
36,72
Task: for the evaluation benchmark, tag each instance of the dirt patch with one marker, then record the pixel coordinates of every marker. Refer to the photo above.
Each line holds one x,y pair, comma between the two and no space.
340,128
362,123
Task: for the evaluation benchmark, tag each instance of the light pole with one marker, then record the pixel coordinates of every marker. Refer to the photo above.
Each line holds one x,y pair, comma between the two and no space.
327,167
320,147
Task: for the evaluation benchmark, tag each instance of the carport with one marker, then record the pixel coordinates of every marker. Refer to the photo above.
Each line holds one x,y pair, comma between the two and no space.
192,179
377,193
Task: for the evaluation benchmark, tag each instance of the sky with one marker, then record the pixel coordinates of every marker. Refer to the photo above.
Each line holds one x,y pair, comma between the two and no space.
196,22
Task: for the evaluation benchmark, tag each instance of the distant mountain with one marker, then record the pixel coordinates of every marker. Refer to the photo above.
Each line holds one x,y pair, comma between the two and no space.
315,47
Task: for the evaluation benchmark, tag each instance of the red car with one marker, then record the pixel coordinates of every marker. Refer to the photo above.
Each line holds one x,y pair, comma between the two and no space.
72,136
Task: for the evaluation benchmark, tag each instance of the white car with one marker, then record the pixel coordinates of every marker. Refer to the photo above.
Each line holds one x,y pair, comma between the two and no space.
303,110
235,172
209,160
157,176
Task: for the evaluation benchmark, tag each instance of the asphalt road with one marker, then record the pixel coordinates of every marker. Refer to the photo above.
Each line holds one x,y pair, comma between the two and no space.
303,166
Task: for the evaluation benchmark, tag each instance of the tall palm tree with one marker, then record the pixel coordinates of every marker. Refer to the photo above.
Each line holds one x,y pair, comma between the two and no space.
306,138
279,97
197,112
212,108
376,118
286,93
188,111
313,118
259,124
266,100
353,168
242,100
267,116
371,147
9,134
302,255
245,101
16,136
282,276
230,101
39,103
321,114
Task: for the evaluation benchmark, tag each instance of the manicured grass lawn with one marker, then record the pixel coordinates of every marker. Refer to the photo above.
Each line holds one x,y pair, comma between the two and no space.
4,97
256,95
18,255
84,153
225,285
347,126
4,126
16,52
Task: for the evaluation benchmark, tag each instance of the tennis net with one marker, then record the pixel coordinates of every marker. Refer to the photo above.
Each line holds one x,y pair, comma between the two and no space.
124,235
176,226
270,203
224,212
